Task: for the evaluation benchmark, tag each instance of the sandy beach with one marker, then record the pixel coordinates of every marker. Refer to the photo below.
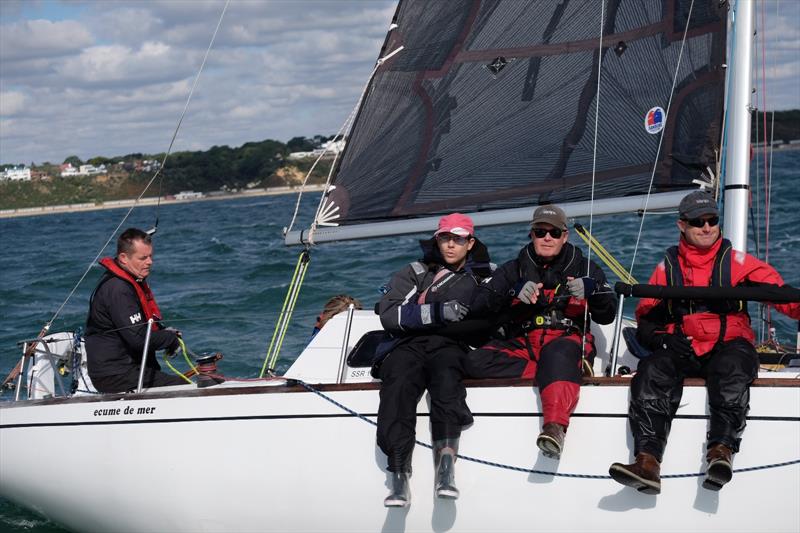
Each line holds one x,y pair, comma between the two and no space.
118,204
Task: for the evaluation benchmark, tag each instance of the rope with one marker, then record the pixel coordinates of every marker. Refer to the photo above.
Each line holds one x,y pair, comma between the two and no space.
606,256
149,183
286,312
661,138
531,470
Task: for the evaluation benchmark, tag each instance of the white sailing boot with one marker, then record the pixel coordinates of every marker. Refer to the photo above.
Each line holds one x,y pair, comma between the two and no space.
400,495
446,451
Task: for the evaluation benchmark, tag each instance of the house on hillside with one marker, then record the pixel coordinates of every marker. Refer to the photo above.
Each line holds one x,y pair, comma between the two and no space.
18,173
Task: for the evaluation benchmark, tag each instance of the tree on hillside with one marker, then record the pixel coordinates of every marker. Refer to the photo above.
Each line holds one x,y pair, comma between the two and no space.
300,144
73,160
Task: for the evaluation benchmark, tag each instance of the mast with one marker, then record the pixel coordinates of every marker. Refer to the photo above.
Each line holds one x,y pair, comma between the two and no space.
737,176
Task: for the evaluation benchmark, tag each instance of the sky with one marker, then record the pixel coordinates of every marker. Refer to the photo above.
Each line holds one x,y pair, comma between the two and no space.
109,78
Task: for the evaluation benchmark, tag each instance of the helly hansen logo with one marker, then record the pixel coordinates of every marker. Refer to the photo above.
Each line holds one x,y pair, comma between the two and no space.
135,318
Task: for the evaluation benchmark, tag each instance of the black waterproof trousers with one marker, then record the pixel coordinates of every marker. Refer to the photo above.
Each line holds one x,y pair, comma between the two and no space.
657,387
425,362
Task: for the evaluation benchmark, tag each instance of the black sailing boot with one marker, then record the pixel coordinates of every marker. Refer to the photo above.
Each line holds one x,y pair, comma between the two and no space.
400,495
446,451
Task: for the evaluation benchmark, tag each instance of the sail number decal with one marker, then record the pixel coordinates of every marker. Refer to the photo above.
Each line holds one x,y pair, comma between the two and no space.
654,120
129,410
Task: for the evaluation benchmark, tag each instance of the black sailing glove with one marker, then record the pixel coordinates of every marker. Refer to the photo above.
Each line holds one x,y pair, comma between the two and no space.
454,311
677,344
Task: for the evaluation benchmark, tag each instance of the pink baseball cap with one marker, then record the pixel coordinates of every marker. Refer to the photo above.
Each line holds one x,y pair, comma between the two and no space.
457,224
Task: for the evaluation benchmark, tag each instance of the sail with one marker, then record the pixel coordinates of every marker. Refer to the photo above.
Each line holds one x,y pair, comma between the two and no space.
491,105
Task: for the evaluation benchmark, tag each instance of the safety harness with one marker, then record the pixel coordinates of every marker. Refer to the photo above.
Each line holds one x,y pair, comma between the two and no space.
720,277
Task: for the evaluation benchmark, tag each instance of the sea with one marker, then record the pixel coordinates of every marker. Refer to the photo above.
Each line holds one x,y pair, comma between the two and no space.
221,272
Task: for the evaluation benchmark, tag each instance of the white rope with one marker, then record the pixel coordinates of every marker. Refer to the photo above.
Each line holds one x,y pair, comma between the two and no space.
344,131
149,183
660,142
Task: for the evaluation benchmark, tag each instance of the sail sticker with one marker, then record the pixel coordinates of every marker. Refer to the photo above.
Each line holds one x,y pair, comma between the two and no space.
654,120
498,64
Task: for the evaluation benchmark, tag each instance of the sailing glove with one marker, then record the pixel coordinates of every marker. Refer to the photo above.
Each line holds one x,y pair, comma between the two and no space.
581,288
454,311
677,344
529,292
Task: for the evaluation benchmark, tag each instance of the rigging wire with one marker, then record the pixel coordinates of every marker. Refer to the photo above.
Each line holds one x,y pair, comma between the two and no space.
149,183
594,170
661,138
343,133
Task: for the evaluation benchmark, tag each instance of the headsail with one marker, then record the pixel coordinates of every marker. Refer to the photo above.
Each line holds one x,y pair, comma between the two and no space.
491,106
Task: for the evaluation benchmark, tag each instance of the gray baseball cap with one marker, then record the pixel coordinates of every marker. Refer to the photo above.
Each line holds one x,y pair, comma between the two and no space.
550,214
697,204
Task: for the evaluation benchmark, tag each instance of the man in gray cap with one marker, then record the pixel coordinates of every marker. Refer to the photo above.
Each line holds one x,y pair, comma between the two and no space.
698,338
544,292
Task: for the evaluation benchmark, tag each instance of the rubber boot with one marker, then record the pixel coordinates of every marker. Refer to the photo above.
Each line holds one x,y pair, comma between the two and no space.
400,495
720,467
644,474
446,451
551,440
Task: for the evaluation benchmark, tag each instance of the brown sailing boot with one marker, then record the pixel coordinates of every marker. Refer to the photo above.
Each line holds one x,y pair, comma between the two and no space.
720,467
644,474
551,440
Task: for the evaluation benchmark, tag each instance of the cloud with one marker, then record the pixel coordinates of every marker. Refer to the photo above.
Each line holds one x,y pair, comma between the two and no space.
33,39
111,78
12,103
108,65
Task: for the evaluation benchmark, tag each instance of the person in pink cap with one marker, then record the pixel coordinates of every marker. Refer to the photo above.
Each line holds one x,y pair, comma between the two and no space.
419,303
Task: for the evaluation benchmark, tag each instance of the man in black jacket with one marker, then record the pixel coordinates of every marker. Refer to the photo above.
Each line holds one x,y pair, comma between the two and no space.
544,294
119,310
419,302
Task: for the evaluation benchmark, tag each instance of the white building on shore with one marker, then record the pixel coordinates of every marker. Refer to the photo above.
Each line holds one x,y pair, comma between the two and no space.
20,173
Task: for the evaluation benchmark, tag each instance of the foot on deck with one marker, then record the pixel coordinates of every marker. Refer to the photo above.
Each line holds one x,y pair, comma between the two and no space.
644,474
720,467
551,440
445,475
400,495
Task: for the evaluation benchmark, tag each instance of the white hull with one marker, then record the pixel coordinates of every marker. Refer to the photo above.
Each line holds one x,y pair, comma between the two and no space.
266,456
267,459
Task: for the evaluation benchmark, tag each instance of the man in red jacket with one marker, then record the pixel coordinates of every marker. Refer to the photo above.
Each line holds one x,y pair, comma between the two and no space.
708,339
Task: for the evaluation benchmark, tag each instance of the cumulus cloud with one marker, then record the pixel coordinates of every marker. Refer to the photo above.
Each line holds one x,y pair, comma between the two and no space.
11,103
111,78
33,39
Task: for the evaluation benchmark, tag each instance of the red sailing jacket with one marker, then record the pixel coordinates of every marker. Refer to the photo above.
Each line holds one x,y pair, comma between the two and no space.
146,299
696,266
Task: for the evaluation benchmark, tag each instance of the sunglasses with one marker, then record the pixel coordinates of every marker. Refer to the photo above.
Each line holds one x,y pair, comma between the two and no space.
539,233
700,222
446,237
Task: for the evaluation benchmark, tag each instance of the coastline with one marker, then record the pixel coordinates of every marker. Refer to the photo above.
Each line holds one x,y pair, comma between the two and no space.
117,204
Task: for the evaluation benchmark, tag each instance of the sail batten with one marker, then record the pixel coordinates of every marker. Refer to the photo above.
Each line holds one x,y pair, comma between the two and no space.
488,107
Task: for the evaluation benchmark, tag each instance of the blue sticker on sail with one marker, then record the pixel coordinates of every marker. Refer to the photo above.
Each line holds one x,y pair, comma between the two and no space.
654,120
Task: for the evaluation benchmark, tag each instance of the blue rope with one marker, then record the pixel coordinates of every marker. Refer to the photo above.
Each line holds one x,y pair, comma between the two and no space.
531,470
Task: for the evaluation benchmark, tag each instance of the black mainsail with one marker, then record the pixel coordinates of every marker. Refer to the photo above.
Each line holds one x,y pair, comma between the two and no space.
491,105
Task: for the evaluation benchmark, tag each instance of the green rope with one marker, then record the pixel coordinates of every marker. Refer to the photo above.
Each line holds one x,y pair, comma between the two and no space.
286,311
292,305
604,255
178,372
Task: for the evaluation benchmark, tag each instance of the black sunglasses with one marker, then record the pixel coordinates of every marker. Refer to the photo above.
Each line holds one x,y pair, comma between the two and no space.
700,222
541,232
